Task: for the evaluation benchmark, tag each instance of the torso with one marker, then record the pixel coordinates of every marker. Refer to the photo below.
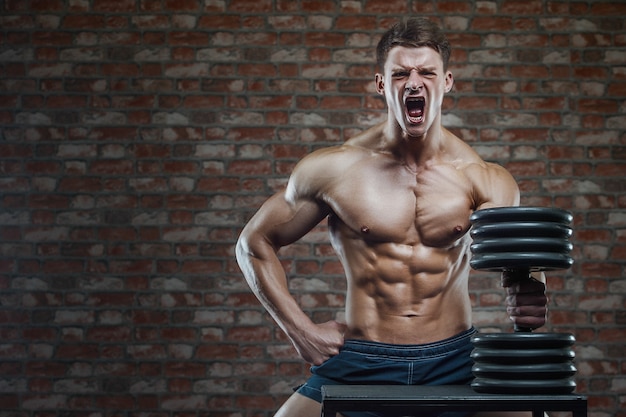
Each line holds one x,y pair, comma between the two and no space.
402,238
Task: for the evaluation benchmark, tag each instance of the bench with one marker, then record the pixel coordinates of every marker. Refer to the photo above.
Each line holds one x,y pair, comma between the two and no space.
403,400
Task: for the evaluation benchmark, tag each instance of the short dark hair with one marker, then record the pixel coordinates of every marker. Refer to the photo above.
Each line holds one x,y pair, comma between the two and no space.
414,32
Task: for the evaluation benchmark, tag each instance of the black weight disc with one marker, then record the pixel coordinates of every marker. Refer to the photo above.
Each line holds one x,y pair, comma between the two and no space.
543,371
549,387
520,229
523,340
536,261
522,244
522,356
507,214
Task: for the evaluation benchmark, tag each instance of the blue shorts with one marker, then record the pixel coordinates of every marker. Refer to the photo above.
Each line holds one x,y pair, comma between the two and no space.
446,362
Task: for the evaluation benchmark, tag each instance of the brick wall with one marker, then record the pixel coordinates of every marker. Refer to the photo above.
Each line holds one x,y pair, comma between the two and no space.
138,136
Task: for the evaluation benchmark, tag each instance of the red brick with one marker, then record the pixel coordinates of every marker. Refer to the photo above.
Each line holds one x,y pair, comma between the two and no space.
250,167
351,22
47,368
111,167
612,169
530,72
315,6
108,334
608,8
257,70
590,72
182,5
557,103
453,6
152,151
491,23
112,401
619,253
471,103
83,21
251,6
217,351
115,6
533,7
131,267
220,21
612,335
78,352
526,168
617,89
597,106
202,267
120,69
188,38
180,334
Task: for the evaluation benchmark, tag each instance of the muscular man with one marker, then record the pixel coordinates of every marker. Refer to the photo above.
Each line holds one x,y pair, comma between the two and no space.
398,198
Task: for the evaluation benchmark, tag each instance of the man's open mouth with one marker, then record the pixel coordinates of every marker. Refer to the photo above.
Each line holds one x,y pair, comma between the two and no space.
415,109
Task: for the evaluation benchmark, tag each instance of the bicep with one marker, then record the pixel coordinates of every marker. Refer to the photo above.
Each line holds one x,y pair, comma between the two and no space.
281,222
290,214
495,187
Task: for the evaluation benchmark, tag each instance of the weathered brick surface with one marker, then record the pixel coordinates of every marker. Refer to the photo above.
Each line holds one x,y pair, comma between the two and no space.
138,136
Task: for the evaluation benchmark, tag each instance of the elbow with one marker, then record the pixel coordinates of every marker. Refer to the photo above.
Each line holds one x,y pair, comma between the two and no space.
250,245
242,248
244,257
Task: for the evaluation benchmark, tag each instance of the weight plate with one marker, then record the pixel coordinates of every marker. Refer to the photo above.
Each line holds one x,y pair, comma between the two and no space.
523,340
537,261
520,229
544,371
550,387
522,356
507,214
522,244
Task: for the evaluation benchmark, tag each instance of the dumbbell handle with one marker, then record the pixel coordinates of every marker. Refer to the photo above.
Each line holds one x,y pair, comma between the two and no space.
514,276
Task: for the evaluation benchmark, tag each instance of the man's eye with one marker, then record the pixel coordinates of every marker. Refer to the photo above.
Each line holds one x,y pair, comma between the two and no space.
400,74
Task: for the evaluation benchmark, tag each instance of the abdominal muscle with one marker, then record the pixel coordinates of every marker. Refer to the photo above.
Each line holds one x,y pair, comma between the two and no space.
403,294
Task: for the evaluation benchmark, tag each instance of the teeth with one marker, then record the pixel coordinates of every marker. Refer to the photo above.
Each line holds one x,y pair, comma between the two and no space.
415,107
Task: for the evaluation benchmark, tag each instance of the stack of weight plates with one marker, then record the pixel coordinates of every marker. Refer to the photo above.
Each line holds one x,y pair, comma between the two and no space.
520,240
514,238
523,363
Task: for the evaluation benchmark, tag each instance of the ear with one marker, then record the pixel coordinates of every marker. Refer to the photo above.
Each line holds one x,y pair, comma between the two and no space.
449,82
380,84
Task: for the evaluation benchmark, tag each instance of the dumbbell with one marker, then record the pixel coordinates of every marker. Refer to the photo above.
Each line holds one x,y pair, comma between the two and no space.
521,240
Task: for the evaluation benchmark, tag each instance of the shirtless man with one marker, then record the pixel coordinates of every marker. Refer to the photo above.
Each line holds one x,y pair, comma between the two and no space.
398,198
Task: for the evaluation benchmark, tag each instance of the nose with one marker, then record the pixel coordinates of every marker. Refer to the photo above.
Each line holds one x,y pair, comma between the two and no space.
414,83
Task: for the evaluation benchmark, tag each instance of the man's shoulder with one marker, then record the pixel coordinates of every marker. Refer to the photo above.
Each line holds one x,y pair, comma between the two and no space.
459,150
491,182
336,156
314,174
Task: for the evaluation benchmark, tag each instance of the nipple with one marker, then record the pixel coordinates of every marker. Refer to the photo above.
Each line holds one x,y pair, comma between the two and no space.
365,229
458,229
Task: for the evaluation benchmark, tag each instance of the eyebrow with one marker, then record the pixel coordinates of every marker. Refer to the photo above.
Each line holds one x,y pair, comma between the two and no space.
419,68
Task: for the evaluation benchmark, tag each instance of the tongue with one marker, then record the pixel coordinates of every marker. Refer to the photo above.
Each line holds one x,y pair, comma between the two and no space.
416,112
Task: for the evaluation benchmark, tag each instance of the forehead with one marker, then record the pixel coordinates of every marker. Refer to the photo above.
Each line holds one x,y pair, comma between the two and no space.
409,57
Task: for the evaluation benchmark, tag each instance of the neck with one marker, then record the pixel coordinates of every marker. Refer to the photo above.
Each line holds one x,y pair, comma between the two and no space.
414,151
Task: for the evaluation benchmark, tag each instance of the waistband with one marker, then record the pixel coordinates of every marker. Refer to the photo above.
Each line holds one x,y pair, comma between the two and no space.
459,341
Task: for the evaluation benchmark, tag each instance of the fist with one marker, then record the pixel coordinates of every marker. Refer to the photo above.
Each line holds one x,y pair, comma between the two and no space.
320,342
526,301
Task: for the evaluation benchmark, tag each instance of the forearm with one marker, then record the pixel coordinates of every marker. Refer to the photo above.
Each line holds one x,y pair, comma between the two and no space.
268,281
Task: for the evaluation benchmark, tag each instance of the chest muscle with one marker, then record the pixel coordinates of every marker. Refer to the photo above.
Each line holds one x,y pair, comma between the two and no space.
397,206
